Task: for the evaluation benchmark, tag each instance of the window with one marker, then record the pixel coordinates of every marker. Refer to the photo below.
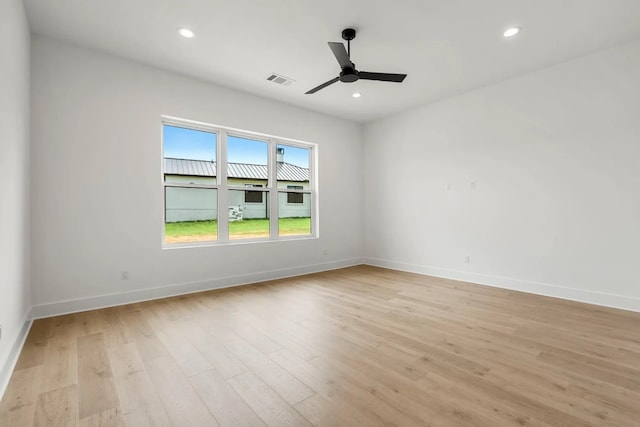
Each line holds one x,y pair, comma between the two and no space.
293,163
190,190
207,171
296,198
253,196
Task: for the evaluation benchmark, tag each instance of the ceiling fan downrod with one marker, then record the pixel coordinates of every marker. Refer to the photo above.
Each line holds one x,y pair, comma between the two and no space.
348,34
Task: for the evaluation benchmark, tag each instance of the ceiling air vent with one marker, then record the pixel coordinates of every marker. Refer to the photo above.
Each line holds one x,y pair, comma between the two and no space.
281,80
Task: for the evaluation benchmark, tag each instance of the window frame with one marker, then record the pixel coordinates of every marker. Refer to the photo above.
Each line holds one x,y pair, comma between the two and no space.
223,187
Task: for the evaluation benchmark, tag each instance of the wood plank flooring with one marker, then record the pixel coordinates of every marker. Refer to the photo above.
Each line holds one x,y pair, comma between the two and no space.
360,346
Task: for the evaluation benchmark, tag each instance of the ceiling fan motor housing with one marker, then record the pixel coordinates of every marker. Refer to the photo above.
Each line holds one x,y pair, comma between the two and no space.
349,75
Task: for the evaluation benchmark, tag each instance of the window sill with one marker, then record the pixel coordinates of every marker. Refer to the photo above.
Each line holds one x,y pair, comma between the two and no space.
235,242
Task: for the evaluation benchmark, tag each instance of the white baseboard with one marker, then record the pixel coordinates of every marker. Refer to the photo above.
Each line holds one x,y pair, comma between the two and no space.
110,300
573,294
6,368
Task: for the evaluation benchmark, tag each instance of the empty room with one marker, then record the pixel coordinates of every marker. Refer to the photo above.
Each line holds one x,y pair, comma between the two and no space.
319,213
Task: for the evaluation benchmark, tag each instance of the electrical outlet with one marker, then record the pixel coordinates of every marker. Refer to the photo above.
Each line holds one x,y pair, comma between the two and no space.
467,259
124,275
473,185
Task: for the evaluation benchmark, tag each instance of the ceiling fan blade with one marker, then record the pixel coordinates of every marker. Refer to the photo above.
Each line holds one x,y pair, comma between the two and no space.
322,86
385,77
341,54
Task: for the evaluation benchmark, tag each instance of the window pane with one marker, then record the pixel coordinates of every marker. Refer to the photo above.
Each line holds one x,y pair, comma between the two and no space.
293,166
189,155
247,162
294,219
248,220
191,215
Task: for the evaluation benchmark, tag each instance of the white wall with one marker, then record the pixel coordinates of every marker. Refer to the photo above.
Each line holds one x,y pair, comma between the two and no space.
556,160
14,186
97,182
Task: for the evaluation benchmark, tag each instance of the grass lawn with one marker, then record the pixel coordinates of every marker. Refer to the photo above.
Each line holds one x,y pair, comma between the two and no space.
198,231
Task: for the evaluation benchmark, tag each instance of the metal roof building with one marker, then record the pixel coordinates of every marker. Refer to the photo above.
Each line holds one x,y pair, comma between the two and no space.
186,167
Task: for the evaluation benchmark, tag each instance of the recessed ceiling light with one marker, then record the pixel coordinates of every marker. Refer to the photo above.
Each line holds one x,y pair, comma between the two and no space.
356,95
510,32
185,32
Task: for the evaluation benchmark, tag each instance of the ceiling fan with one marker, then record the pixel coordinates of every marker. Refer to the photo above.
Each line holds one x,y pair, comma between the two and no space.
348,73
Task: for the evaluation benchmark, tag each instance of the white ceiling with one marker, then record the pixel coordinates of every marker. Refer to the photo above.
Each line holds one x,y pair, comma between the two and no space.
445,46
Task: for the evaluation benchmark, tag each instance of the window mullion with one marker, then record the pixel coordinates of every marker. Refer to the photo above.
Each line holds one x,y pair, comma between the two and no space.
273,191
223,193
189,185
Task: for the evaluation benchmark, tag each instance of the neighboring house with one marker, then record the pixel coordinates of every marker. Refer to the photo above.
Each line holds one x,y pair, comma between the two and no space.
199,204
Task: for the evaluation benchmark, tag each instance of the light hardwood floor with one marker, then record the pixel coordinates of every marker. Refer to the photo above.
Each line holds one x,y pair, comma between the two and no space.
354,347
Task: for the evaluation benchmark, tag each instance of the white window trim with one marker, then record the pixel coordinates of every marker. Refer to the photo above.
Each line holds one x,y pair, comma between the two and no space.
223,187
